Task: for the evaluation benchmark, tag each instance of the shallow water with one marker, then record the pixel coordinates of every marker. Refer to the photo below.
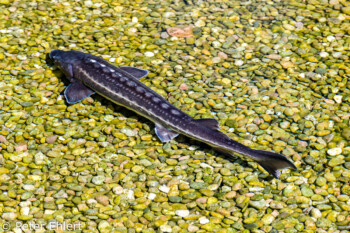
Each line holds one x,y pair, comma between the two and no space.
274,73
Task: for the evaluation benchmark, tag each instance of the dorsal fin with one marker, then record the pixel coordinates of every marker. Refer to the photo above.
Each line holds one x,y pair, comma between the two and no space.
209,122
135,72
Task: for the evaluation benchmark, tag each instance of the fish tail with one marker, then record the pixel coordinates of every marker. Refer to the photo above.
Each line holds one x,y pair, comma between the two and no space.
272,162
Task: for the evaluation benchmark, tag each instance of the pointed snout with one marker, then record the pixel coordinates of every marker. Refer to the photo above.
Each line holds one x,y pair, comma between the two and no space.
53,53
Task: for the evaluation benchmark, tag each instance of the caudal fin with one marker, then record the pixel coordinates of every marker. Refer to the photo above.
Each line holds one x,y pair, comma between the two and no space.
272,162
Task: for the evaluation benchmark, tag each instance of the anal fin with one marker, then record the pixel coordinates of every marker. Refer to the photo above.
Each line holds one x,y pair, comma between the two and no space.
164,134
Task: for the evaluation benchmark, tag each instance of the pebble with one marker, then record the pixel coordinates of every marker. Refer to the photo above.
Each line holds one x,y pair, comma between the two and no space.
222,55
21,147
334,151
239,62
98,180
265,49
128,132
175,199
60,194
203,220
316,213
183,86
338,98
274,57
226,81
337,54
268,219
345,10
164,189
199,23
258,204
286,64
151,196
9,216
165,228
88,3
192,228
149,54
182,213
335,162
324,54
51,139
104,226
330,38
118,190
3,139
299,26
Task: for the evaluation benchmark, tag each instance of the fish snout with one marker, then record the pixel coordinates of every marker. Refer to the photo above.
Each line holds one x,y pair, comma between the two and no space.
53,54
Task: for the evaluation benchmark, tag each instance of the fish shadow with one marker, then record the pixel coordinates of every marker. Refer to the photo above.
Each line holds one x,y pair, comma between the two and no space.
180,139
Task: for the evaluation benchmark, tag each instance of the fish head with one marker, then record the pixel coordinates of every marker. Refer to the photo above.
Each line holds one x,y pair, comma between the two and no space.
65,60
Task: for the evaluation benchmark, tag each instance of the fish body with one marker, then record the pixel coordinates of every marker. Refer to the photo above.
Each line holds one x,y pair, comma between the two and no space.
89,74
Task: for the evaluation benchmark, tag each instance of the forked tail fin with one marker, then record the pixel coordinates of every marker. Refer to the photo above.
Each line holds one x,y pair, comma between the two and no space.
272,162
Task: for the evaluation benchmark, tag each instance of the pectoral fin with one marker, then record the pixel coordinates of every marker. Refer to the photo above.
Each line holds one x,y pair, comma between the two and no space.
135,72
165,134
77,91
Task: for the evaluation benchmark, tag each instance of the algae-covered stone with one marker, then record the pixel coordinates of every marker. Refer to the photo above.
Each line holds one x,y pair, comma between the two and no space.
104,226
225,171
145,162
346,10
306,191
320,181
346,189
265,49
4,170
171,161
268,219
198,185
26,195
258,204
137,169
289,191
226,81
346,133
5,2
4,178
323,223
335,162
75,187
98,180
175,199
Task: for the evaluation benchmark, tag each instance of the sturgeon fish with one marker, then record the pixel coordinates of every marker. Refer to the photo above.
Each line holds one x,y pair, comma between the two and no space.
89,74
